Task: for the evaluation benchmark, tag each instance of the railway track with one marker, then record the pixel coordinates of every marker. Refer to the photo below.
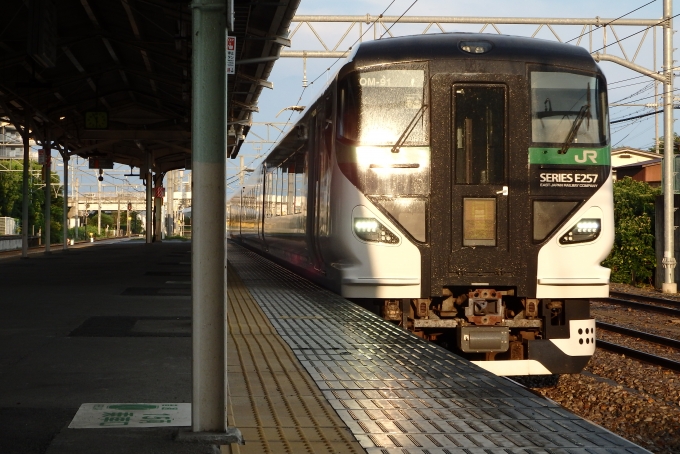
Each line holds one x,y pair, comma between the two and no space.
637,354
632,300
645,306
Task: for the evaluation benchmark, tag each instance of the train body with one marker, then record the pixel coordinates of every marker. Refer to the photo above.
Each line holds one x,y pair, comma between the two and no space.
460,185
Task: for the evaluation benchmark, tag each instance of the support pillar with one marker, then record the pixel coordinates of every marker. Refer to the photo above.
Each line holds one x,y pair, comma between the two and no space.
158,210
208,251
47,167
149,201
24,187
64,218
669,286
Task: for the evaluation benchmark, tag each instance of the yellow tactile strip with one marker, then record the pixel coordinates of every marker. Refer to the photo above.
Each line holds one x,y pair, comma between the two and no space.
272,399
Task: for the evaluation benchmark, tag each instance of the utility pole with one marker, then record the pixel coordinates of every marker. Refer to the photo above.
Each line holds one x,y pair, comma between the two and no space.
118,217
668,262
64,221
76,224
99,201
241,170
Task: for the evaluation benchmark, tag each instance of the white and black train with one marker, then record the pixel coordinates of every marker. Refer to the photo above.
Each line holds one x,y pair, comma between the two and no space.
459,183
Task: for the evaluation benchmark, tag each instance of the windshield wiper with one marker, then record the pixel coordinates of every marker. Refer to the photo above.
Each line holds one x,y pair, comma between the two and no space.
582,113
408,130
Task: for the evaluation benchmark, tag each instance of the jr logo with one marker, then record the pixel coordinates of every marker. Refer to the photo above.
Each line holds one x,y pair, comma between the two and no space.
587,154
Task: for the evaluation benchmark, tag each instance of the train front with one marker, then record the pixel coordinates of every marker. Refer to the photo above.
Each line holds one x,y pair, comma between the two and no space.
480,191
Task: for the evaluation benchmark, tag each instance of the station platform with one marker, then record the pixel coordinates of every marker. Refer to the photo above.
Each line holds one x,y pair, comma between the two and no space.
308,372
395,392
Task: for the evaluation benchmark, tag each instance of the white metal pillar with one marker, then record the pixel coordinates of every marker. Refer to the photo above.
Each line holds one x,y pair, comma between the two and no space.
99,204
208,252
668,285
64,217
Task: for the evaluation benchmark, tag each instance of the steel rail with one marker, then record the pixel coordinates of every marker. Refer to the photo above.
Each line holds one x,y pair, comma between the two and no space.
642,306
660,340
654,299
642,356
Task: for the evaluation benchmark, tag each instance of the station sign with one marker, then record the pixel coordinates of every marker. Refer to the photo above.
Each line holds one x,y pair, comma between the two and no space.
231,55
100,163
44,157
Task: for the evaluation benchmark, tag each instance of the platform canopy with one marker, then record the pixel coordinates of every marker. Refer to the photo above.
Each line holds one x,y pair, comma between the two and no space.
112,79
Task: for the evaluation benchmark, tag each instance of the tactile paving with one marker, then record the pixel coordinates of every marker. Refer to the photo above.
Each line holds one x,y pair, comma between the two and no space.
400,394
272,399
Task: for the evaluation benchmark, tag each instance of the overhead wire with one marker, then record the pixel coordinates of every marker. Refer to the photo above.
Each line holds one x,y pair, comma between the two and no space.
304,89
399,18
610,22
633,34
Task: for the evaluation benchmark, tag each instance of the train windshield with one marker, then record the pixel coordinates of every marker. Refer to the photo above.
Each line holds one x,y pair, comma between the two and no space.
568,109
384,106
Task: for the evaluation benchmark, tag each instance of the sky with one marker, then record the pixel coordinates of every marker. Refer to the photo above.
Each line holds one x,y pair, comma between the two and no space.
625,86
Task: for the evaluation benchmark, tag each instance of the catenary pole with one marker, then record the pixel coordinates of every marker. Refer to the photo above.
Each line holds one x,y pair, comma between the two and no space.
668,286
64,217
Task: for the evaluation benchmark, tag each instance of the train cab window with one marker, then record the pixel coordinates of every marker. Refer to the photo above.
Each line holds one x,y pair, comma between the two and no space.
565,104
479,116
384,106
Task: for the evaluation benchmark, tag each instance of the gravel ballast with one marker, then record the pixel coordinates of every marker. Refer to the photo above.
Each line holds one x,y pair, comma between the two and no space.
636,400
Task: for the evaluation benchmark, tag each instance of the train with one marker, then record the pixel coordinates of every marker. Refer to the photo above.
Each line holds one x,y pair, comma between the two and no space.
457,184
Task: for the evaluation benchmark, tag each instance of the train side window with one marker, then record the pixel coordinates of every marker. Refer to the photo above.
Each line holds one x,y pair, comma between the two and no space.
277,192
284,189
274,192
479,134
299,181
291,186
268,194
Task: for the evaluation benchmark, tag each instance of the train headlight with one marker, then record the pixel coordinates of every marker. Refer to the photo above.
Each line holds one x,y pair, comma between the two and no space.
475,47
370,229
585,230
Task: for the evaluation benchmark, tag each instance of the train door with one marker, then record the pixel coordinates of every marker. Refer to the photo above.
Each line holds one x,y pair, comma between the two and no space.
479,177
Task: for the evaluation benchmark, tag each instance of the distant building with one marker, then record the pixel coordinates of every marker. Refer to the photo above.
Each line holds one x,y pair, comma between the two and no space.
12,144
640,165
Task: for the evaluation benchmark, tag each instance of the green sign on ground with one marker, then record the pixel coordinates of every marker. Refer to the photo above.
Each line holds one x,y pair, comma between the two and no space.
97,416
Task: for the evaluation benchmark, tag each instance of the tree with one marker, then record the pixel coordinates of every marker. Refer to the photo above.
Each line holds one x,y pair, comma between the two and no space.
676,142
632,259
11,197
